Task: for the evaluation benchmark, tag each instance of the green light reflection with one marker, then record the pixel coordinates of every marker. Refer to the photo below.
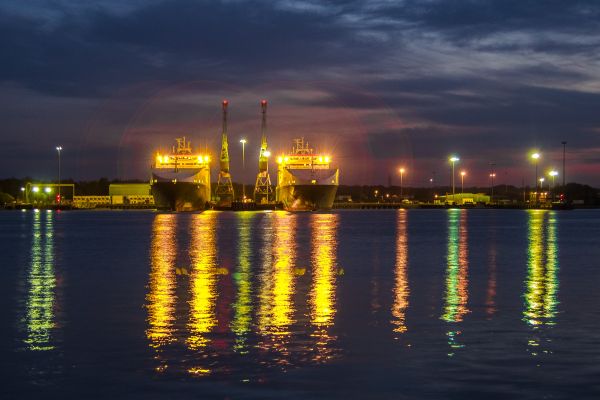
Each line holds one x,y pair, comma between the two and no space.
242,307
542,269
456,274
39,318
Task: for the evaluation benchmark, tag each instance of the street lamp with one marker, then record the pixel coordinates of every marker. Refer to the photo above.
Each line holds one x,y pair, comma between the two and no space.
541,186
492,176
462,181
401,176
243,142
59,149
553,174
535,157
453,160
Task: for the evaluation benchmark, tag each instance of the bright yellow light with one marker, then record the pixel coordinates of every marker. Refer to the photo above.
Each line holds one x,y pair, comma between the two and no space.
267,153
462,173
542,180
454,159
243,141
402,170
279,160
327,159
320,159
166,159
206,159
35,189
553,173
200,159
286,159
535,156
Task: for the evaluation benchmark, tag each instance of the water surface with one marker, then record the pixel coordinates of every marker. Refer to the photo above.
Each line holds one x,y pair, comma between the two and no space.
351,304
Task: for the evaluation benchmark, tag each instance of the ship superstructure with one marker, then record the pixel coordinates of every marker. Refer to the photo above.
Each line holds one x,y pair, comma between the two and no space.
181,178
306,180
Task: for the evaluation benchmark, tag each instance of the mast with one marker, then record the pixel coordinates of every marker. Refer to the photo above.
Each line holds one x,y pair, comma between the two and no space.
263,189
224,190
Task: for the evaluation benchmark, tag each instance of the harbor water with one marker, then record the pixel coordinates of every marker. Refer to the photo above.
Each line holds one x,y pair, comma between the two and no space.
388,304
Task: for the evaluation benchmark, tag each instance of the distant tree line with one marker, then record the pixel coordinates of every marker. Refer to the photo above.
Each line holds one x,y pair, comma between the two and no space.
572,191
10,189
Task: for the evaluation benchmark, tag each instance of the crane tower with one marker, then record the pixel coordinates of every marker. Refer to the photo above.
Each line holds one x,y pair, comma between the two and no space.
224,190
263,190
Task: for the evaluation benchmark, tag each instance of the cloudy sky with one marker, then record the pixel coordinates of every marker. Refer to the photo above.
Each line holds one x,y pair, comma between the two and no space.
377,84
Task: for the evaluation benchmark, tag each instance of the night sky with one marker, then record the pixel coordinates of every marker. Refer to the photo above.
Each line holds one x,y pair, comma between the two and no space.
378,84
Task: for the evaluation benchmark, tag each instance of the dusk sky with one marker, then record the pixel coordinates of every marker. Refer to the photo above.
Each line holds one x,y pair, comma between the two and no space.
377,84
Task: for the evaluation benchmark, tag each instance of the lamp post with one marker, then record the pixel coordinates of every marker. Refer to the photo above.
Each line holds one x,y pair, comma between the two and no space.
243,142
492,176
401,187
59,149
541,186
536,157
453,160
462,181
553,174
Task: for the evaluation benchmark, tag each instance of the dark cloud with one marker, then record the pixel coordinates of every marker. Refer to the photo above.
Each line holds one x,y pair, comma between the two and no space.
416,78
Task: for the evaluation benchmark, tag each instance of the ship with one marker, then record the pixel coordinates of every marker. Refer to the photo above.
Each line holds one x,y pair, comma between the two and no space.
181,179
306,181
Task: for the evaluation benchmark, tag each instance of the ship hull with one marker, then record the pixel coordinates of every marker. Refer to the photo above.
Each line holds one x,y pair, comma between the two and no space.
180,196
182,190
308,197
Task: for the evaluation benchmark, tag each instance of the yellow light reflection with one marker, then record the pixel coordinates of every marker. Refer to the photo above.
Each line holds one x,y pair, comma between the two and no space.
276,307
242,308
161,296
42,283
203,279
542,269
456,273
401,288
322,293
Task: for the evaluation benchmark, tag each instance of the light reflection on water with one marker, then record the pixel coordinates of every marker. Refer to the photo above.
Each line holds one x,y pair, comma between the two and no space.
161,297
401,289
277,284
262,317
242,308
241,297
542,274
457,291
203,279
40,307
322,294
